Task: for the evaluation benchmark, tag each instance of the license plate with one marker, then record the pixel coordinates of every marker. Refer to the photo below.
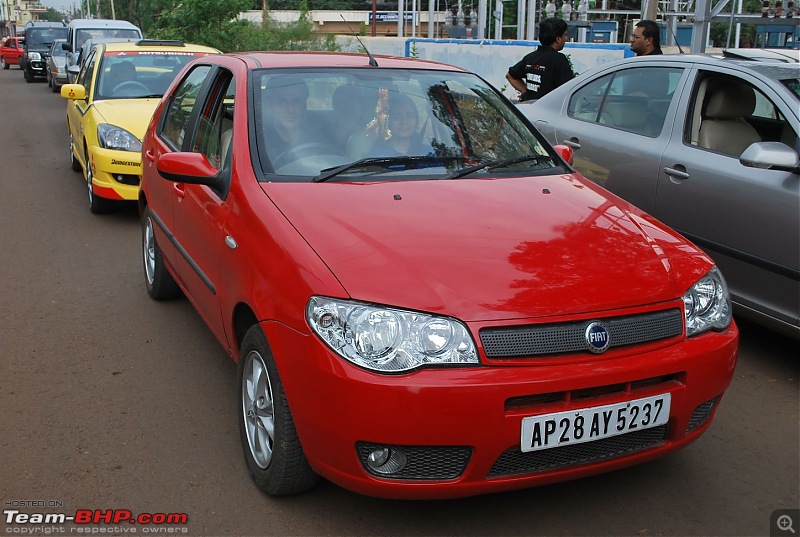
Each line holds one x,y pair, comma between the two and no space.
590,424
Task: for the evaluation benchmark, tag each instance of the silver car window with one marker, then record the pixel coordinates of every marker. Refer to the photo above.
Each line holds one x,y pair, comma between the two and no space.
635,100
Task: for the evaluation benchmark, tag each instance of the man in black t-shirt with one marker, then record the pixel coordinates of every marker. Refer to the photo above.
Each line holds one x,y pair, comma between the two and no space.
544,69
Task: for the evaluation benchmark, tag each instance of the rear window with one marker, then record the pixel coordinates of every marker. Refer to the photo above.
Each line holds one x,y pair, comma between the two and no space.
44,37
81,36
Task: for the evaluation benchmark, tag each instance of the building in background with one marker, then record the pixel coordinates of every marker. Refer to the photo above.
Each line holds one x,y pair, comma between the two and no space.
15,13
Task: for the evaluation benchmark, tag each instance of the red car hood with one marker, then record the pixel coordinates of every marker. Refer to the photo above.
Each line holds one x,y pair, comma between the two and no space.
490,249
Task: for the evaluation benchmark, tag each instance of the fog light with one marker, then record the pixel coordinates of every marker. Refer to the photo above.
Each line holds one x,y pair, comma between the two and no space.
386,461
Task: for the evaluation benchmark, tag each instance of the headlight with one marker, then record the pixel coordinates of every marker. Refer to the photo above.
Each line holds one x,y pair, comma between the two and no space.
34,56
389,340
112,137
707,304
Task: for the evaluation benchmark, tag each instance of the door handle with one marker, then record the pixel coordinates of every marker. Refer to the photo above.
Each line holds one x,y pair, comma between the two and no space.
179,190
676,175
150,155
573,143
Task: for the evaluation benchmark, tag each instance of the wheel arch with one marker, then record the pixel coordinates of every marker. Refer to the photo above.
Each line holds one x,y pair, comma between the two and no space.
243,319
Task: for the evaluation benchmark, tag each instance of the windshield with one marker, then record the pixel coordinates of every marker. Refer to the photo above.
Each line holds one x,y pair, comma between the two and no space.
43,37
793,84
139,73
81,36
388,124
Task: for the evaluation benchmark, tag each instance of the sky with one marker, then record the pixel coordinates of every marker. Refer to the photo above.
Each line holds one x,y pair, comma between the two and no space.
61,5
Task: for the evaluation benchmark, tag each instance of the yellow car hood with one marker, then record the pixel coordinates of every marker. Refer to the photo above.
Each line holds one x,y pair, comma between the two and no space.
133,115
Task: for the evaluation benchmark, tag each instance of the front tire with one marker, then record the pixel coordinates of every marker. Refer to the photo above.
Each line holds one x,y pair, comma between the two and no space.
159,282
269,439
97,204
4,64
28,76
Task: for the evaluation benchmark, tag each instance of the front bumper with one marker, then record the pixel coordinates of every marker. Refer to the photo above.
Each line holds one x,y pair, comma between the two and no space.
468,420
117,174
38,67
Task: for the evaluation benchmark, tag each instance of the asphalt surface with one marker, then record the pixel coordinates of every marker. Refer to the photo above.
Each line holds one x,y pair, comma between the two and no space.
111,401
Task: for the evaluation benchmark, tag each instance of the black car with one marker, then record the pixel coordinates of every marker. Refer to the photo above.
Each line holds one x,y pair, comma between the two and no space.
38,38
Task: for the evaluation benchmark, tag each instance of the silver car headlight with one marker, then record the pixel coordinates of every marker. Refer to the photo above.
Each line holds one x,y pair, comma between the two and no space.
389,340
707,304
34,56
113,137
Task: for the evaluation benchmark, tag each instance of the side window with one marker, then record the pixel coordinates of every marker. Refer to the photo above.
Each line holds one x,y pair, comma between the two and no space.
215,127
635,100
85,76
586,102
181,105
728,114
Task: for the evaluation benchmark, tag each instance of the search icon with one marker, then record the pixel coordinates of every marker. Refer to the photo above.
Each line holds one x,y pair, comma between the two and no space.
784,523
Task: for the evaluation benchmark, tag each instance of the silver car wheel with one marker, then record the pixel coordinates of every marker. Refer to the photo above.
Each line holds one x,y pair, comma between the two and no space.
149,244
258,409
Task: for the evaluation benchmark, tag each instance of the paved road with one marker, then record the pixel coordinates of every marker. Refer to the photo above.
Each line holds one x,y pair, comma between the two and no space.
109,400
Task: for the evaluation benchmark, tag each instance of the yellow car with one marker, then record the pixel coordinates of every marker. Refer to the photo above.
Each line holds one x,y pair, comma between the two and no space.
109,107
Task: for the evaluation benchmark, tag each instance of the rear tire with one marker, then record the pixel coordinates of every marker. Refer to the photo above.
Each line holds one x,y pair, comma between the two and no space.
159,282
271,446
3,63
74,162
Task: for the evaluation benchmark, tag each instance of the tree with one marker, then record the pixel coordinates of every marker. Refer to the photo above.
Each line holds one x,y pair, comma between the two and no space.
51,15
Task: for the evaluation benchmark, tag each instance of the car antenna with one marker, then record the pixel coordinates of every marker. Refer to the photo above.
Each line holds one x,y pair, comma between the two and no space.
676,38
372,61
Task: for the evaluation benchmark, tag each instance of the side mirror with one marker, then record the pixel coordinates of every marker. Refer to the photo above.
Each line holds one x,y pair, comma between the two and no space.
65,46
73,70
73,92
771,156
565,152
192,168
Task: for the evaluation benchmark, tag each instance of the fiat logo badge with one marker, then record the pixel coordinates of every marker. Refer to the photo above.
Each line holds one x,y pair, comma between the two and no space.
597,337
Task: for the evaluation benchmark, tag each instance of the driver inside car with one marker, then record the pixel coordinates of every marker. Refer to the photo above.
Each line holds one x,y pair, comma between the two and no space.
119,73
286,129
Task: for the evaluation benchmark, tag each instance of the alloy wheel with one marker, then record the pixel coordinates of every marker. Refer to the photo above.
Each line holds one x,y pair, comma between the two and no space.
258,409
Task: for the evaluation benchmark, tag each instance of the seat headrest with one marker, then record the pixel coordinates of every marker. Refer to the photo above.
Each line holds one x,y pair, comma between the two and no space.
731,101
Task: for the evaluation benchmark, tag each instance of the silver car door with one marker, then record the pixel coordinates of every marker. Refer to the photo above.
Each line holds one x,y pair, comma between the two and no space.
747,219
619,125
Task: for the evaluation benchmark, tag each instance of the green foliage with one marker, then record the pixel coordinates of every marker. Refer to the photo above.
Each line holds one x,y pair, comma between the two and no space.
214,23
719,31
51,15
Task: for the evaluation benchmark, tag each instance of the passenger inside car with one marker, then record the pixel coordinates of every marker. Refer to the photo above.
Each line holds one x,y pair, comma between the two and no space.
404,136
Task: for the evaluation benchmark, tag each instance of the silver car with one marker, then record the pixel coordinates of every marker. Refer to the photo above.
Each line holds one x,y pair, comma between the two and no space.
57,66
707,144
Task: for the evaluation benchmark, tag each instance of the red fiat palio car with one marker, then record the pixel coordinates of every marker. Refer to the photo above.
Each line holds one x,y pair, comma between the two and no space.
425,300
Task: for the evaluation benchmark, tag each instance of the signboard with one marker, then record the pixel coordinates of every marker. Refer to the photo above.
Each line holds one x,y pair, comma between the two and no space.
391,16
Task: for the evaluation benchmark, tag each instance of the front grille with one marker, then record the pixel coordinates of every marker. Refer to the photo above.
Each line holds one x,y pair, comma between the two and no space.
515,462
560,338
701,414
423,462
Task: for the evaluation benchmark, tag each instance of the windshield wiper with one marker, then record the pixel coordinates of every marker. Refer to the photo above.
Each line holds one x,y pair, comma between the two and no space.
330,173
491,165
